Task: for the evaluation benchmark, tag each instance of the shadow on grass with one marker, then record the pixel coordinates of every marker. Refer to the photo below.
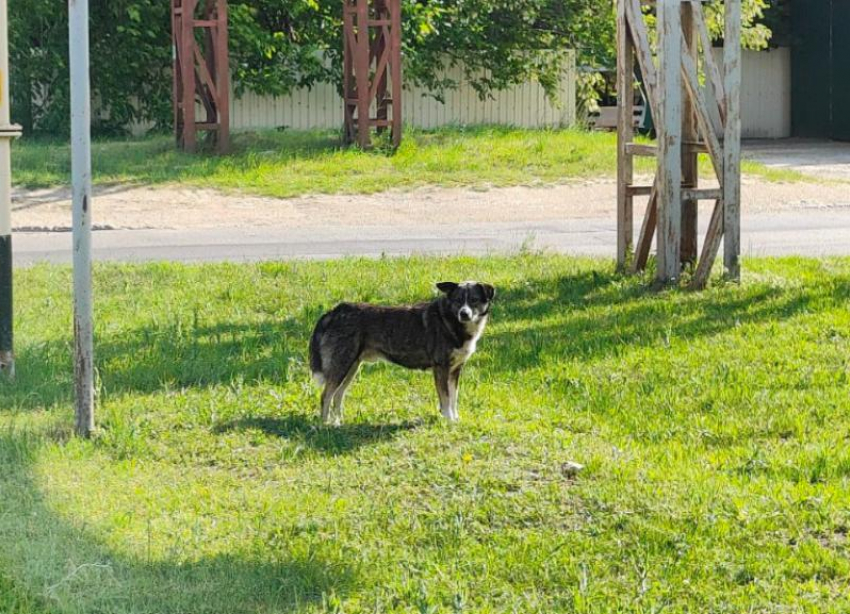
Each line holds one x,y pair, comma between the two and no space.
55,566
599,314
328,440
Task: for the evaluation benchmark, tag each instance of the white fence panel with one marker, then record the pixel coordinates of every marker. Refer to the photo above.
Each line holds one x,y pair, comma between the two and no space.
765,93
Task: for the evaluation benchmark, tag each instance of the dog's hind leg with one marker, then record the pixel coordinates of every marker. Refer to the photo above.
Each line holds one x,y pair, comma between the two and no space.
339,395
338,365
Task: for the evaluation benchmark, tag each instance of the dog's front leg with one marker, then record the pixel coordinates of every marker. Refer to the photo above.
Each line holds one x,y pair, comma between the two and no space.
441,380
454,385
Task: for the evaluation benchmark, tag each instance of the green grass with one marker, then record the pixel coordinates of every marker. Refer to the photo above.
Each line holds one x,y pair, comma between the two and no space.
713,427
288,164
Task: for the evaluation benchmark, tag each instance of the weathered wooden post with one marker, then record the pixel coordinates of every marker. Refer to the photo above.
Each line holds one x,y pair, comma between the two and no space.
669,128
371,62
690,119
7,133
732,140
81,215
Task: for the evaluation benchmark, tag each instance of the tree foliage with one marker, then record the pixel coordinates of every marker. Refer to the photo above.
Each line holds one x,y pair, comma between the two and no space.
277,45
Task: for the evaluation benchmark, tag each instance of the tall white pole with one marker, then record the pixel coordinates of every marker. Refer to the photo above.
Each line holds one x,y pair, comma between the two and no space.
81,190
7,133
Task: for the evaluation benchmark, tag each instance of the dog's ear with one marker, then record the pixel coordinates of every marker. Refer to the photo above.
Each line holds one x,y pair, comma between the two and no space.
489,291
446,287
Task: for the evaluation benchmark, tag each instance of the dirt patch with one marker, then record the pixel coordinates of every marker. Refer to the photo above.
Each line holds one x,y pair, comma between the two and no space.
174,207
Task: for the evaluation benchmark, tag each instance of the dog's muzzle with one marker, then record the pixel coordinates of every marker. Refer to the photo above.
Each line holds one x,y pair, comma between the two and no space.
465,314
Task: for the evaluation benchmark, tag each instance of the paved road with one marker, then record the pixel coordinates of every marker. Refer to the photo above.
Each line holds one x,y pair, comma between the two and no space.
816,233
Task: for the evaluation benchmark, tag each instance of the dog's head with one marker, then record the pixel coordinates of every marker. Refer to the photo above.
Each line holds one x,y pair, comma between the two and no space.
468,301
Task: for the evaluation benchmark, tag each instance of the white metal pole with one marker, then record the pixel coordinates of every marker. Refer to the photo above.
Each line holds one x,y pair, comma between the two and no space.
81,190
7,133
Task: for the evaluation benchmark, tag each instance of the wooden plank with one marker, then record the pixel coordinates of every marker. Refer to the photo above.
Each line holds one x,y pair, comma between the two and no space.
361,67
625,134
669,126
690,160
639,190
640,40
395,70
714,78
222,62
706,126
732,141
702,193
647,230
709,248
639,149
187,70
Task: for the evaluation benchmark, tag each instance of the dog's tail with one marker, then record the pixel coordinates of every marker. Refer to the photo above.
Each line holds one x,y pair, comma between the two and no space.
316,349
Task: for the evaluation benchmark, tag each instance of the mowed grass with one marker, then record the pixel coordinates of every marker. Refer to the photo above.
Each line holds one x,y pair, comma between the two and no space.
286,164
713,428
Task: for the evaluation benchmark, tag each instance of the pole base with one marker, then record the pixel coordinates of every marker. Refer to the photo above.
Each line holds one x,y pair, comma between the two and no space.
7,365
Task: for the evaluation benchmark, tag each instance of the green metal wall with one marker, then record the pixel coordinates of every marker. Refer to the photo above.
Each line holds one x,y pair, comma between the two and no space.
820,68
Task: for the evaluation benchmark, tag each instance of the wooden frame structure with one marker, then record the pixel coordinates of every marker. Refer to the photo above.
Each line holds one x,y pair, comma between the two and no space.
691,117
371,66
201,72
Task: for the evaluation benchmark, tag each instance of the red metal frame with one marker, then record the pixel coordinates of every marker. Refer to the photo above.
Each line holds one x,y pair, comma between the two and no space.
201,72
372,65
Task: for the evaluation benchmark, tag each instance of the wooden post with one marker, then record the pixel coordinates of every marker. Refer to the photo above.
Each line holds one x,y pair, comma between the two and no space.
186,53
690,158
371,65
625,134
361,73
732,141
669,128
395,69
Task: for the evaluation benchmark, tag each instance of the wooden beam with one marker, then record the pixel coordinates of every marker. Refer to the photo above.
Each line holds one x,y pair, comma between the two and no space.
732,141
709,248
395,70
690,160
625,134
639,149
639,190
361,72
706,126
640,39
647,230
702,193
669,127
712,71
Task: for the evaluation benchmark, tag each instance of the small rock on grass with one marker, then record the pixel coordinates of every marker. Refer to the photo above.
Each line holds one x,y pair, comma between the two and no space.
571,469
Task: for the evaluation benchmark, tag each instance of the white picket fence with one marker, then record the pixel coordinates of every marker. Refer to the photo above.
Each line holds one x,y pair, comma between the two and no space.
320,107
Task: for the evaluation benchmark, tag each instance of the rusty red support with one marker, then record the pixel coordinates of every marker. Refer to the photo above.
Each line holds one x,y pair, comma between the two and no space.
201,72
371,68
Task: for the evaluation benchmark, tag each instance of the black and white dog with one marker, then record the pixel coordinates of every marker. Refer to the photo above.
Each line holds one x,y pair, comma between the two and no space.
440,335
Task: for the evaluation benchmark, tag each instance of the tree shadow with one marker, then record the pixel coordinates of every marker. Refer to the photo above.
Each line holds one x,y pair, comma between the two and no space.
327,440
599,314
603,314
61,565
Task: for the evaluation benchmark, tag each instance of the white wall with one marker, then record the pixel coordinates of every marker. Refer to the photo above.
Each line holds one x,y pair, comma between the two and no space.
321,107
765,93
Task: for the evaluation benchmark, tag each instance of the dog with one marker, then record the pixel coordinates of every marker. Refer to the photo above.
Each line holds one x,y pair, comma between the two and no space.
440,335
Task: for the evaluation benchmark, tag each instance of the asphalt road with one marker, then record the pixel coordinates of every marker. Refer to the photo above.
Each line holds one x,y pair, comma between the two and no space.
815,233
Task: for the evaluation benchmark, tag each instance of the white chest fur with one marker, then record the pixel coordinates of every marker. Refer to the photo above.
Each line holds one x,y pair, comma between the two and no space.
462,354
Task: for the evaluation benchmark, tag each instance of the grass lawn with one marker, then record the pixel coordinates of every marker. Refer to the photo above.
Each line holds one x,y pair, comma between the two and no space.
288,164
713,427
